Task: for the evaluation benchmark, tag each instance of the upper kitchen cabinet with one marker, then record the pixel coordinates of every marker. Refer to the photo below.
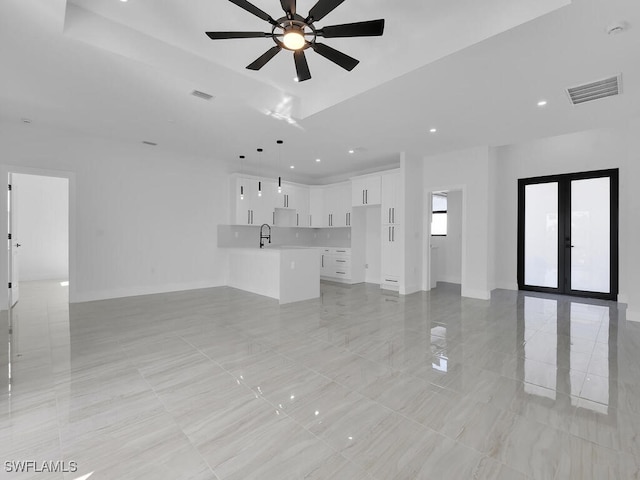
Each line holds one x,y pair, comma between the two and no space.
316,207
365,190
295,197
337,205
253,200
391,198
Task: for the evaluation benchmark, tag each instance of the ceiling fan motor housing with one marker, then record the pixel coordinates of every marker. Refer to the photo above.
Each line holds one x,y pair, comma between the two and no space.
296,34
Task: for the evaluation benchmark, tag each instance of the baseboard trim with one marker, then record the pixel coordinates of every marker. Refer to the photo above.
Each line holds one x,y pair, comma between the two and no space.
479,294
82,297
633,316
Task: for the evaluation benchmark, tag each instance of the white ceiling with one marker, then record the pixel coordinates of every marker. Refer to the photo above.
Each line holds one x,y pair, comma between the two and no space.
474,70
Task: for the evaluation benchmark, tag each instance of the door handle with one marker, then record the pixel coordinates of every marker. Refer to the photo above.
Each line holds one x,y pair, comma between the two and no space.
18,244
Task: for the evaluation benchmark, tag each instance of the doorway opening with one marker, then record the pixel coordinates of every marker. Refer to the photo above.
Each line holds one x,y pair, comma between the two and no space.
445,237
38,263
568,234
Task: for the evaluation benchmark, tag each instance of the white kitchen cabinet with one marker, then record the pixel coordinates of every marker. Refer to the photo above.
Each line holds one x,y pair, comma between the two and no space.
316,207
365,190
391,196
337,206
392,248
253,208
335,264
295,197
392,257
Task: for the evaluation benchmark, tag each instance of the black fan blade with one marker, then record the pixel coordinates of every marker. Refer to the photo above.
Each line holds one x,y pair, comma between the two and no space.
337,57
228,35
372,28
322,9
264,58
289,6
251,8
302,67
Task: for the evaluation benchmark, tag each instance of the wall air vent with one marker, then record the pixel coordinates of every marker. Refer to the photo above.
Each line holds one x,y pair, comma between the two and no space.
153,144
202,95
595,90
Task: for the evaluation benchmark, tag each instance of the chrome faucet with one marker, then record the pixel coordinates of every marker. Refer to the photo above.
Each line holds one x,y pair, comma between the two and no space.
262,236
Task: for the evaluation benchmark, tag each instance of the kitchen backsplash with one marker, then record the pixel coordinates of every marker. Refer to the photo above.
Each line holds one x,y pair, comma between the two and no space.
249,236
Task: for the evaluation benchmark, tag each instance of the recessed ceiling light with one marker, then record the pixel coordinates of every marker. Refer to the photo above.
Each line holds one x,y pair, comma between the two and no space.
352,151
542,103
124,1
318,160
433,130
292,167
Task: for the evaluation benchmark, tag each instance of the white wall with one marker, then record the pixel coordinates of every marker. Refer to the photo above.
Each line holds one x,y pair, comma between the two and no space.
615,147
448,255
412,231
41,219
467,170
145,218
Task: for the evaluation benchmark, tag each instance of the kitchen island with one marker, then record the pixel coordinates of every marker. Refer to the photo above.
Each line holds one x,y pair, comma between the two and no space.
288,274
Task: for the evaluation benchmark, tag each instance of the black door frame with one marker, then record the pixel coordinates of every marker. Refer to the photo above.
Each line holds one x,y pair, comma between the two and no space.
564,232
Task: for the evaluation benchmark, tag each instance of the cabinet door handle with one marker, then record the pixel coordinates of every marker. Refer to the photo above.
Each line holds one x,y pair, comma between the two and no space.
393,233
366,196
389,234
251,217
363,197
322,261
393,210
389,215
274,218
297,219
248,217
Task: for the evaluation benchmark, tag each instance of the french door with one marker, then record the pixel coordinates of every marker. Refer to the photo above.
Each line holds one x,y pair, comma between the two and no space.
568,234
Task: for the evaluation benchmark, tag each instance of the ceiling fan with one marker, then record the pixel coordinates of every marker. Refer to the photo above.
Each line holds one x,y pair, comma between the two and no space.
296,33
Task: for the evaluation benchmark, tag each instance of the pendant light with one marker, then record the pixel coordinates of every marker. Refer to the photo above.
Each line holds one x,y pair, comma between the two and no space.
259,182
279,142
241,185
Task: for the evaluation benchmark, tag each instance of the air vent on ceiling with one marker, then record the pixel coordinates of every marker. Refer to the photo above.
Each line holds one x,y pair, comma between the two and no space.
202,95
153,144
595,90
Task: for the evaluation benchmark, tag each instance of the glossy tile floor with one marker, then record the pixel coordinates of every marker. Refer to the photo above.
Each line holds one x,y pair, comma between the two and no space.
222,384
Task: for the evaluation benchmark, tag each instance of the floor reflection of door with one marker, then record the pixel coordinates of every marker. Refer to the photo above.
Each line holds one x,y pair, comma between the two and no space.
568,234
569,352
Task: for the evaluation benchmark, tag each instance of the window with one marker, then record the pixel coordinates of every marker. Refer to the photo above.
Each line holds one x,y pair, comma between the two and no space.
439,214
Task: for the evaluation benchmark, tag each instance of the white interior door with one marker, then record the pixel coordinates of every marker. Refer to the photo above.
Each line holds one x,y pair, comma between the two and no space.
14,246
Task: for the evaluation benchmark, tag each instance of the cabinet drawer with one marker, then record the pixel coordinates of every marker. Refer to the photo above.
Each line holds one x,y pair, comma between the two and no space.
390,282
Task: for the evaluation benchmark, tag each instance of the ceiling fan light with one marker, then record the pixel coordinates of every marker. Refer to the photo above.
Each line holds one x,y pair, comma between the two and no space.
294,39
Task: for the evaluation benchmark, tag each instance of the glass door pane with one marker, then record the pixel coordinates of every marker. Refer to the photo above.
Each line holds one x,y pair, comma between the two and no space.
590,234
541,235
